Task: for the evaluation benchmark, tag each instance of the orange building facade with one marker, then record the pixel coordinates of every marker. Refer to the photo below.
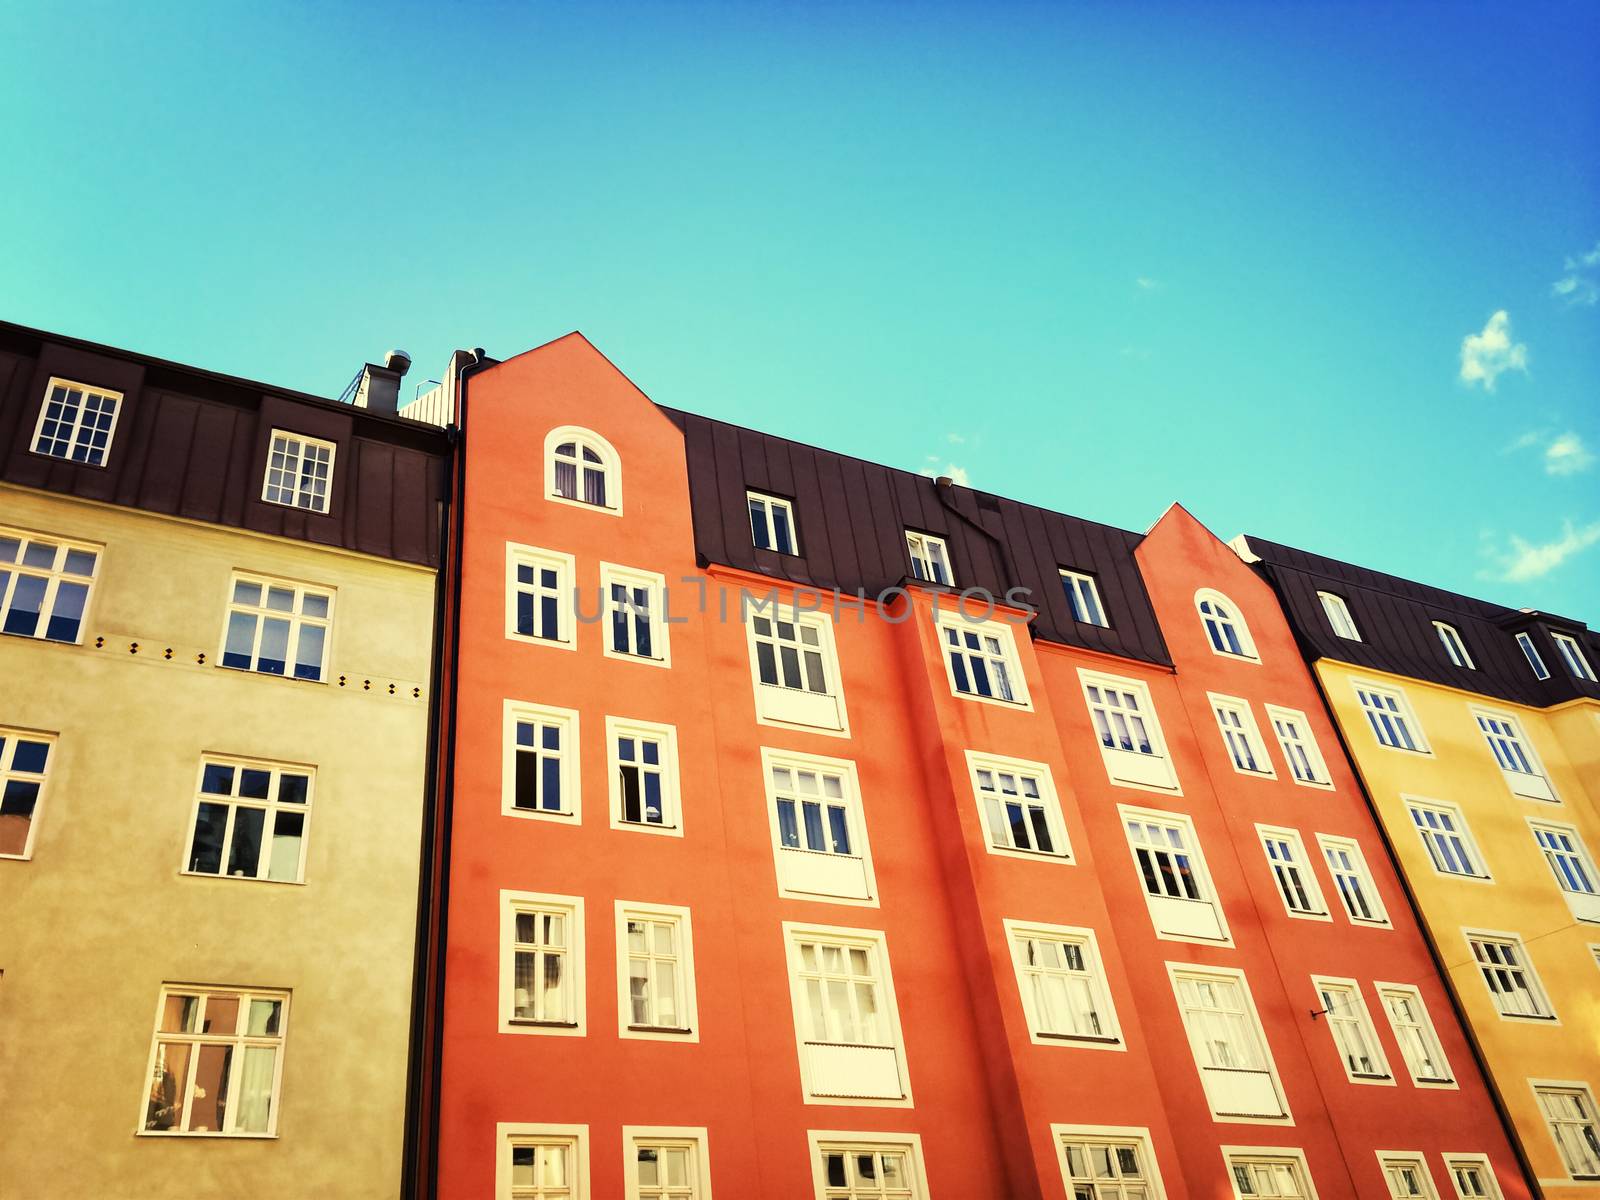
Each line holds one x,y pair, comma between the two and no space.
813,829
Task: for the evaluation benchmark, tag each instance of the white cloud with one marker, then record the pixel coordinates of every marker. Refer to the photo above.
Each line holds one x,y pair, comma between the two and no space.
958,475
1567,455
1532,438
1521,560
1580,285
955,439
1486,356
1147,284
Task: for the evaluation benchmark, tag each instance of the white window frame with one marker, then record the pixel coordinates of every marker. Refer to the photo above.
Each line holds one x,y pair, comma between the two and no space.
1290,1158
565,719
236,1041
1083,598
1425,1032
299,443
1572,655
1128,767
792,880
571,908
998,841
1170,915
1455,646
930,554
1006,655
1585,905
1358,870
687,998
54,576
1337,610
694,1138
1341,1006
768,502
781,706
1236,724
1433,838
1585,1095
1535,659
1300,864
1395,1160
666,737
820,1141
1299,737
1251,1017
8,774
610,466
573,1138
296,616
538,559
271,806
1455,1163
877,943
1511,748
85,391
1225,615
1094,973
1544,1011
633,580
1065,1136
1398,716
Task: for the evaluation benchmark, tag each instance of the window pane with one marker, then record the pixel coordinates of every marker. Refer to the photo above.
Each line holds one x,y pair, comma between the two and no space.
168,1078
245,852
208,1102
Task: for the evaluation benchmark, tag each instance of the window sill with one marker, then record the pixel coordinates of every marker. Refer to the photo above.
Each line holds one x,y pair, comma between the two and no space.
1079,1037
530,1023
1022,852
532,639
217,875
585,505
1366,1077
299,508
660,1029
198,1133
222,666
1432,1082
1024,705
541,814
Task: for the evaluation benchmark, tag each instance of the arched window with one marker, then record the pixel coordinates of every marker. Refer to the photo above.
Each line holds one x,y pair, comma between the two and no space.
582,468
1224,626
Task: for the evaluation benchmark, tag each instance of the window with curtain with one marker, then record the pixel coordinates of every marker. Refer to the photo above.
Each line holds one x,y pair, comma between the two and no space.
214,1065
582,468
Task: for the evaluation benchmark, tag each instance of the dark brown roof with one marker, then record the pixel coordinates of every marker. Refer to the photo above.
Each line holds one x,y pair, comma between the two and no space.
853,516
193,443
1395,619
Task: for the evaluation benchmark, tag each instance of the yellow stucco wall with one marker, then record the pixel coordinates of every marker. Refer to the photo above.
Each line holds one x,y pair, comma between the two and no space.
101,917
1522,896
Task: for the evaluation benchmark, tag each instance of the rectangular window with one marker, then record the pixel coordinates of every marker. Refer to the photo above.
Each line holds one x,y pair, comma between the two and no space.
1100,1162
1514,755
1407,1176
1124,719
1350,1024
795,669
539,774
1353,881
299,471
1291,871
541,963
1063,984
665,1163
76,422
772,524
1509,976
1084,596
539,596
1413,1030
1473,1176
1229,1047
250,820
1531,652
216,1062
1339,618
644,776
981,660
1572,865
1241,736
277,628
1572,654
819,833
930,560
24,761
1017,806
845,1015
1454,648
867,1166
1177,886
1444,833
542,1162
635,614
655,973
1268,1173
1569,1110
44,585
1299,746
1391,718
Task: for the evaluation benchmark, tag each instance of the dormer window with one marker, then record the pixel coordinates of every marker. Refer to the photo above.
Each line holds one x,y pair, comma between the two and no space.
1572,654
1338,614
582,468
930,561
299,472
1224,627
1540,671
1454,647
76,422
772,523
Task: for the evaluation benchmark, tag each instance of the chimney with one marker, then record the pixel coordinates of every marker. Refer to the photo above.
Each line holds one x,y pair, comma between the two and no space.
379,389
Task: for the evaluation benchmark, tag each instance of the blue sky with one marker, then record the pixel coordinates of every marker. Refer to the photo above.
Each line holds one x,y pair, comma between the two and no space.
1098,256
